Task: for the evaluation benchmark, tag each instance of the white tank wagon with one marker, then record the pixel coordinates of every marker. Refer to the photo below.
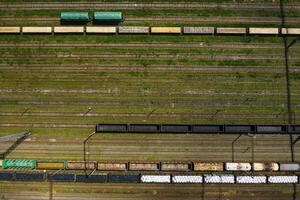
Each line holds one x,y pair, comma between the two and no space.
36,30
156,178
101,30
199,30
133,30
229,30
237,166
10,30
187,179
219,178
251,179
283,179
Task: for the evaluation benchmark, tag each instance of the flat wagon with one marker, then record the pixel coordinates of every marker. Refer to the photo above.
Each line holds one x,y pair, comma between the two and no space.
80,165
167,166
101,30
227,30
199,30
10,30
55,165
68,29
166,30
36,30
111,166
208,166
134,30
144,166
290,31
264,31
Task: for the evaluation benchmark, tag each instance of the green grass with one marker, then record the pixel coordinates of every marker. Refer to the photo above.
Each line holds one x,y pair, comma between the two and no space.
176,94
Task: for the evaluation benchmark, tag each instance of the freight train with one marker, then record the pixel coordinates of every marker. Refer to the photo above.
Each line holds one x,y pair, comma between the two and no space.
197,129
194,166
215,178
149,30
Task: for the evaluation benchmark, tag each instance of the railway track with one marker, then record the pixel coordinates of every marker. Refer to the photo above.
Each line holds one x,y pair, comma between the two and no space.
156,56
156,114
165,148
167,45
173,79
89,191
181,86
156,69
118,102
156,5
234,117
149,69
186,91
170,20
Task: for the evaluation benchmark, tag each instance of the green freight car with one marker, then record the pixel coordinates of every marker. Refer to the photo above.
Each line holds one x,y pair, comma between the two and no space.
108,17
12,164
74,17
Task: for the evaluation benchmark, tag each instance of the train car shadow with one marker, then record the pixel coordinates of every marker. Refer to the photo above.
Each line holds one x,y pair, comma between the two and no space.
69,23
14,145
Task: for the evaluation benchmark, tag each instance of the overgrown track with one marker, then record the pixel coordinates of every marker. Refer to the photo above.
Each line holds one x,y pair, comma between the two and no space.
158,148
88,5
185,45
48,82
151,147
140,68
156,56
89,191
